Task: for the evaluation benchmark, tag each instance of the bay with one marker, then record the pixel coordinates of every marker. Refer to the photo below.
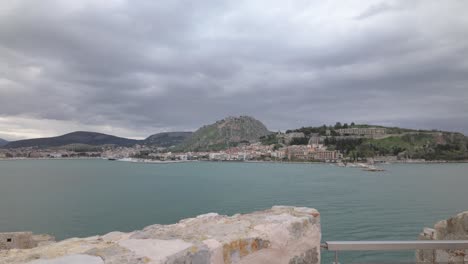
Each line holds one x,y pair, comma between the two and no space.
77,198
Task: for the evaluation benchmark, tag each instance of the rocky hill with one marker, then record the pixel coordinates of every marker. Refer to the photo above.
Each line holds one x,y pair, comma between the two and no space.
79,137
3,142
395,141
418,145
225,133
167,139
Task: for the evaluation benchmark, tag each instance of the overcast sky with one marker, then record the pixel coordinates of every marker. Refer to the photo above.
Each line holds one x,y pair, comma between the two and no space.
134,68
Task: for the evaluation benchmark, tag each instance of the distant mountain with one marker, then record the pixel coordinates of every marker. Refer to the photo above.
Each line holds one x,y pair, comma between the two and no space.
167,139
3,142
79,137
224,133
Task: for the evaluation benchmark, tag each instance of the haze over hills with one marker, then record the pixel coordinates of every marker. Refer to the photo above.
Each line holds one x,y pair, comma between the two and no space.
227,132
3,142
79,137
165,139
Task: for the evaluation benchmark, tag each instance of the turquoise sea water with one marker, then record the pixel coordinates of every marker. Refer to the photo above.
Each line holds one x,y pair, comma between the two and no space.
68,198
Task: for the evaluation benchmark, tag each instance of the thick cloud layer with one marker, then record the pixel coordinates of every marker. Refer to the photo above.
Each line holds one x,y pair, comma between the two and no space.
133,68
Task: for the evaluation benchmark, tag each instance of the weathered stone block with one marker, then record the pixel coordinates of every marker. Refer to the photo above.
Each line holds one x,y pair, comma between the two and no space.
451,229
71,259
22,240
283,234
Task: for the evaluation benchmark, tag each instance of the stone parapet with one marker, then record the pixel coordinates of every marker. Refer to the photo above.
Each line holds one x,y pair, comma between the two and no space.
281,234
455,228
22,240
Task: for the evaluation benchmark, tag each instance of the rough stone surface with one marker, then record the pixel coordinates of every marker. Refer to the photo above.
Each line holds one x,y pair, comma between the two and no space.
23,240
71,259
283,234
455,228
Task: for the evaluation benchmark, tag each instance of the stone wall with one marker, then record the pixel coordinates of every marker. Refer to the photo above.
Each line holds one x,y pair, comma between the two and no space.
289,235
22,240
16,240
455,228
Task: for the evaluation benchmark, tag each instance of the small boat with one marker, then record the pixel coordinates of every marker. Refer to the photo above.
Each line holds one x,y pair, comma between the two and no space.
111,159
372,168
340,164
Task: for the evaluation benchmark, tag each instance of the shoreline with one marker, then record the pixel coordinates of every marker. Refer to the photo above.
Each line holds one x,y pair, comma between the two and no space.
132,160
236,161
84,158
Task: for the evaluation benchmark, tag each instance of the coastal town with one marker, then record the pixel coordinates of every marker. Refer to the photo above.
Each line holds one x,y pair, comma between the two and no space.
243,152
247,139
284,150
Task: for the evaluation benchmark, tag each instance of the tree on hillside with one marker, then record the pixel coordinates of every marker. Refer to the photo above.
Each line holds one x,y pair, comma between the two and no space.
277,146
299,141
337,125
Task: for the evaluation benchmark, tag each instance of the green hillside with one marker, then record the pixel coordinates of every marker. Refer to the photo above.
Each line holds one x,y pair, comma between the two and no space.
79,137
402,142
225,133
167,139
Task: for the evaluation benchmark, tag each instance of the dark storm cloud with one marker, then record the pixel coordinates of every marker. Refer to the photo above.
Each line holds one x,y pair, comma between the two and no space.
138,67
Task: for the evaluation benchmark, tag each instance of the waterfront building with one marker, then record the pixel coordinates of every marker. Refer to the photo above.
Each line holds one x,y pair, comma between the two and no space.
218,156
182,157
279,154
312,152
297,152
55,155
324,155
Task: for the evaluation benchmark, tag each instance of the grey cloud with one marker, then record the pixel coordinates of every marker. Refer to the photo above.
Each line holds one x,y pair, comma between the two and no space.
147,66
376,9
